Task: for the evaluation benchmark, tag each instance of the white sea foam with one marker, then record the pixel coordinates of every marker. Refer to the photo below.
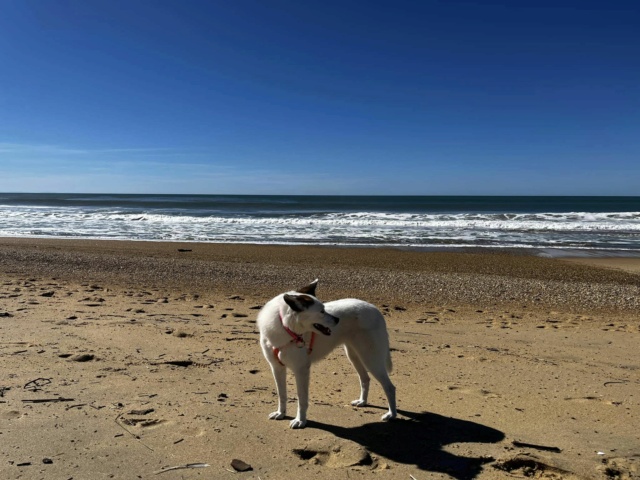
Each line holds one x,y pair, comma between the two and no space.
573,229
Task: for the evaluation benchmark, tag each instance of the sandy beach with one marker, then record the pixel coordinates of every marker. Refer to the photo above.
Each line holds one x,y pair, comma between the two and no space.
124,359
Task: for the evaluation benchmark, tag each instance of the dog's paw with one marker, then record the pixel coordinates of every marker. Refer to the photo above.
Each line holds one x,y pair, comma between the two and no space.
296,423
277,415
359,403
388,416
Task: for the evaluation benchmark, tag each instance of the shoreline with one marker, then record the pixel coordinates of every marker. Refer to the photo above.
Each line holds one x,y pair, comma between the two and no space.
529,250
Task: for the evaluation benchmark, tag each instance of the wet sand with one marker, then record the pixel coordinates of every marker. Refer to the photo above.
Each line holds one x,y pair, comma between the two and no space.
124,358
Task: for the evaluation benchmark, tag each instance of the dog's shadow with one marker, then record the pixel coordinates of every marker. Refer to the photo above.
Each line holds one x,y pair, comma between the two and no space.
418,439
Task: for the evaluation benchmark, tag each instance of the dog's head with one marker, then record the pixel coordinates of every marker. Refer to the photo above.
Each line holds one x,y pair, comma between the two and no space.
310,313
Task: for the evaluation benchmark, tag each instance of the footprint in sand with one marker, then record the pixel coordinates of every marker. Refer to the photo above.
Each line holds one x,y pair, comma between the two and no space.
530,466
621,467
594,399
192,431
481,392
10,415
335,455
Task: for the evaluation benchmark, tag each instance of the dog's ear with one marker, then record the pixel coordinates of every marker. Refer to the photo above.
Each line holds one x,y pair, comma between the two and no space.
298,303
309,289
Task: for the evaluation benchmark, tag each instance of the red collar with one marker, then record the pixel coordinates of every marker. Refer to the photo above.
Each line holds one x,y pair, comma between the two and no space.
295,338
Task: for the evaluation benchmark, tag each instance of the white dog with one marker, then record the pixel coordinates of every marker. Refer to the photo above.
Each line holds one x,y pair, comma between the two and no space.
297,329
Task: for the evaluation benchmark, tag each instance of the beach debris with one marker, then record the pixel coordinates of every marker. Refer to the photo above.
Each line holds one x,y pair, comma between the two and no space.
143,422
5,315
36,384
177,363
48,294
23,464
47,461
240,466
546,448
3,390
47,400
181,334
606,384
184,250
189,363
180,467
83,357
145,411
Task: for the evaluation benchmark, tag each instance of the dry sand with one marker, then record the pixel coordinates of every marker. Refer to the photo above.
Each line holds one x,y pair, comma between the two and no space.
120,359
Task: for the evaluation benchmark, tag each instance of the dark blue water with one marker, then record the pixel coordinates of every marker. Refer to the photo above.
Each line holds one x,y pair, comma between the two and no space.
311,204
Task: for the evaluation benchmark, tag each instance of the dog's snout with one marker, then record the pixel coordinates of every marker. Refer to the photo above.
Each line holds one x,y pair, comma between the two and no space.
336,319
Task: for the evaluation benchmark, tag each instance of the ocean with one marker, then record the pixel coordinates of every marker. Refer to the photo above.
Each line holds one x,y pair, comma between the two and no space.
547,225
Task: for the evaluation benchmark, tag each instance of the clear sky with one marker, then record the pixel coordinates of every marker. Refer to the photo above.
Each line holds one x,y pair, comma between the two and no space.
506,97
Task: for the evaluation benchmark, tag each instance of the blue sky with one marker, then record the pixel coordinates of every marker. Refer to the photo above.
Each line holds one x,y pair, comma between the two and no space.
505,97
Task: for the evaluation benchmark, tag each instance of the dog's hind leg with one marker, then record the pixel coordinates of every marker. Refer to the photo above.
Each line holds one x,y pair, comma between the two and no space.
379,366
353,357
379,372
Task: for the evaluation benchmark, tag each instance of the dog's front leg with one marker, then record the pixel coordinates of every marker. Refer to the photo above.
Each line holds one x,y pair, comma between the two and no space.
280,376
302,375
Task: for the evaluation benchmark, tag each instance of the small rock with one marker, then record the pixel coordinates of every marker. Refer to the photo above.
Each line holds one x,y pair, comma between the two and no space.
240,466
